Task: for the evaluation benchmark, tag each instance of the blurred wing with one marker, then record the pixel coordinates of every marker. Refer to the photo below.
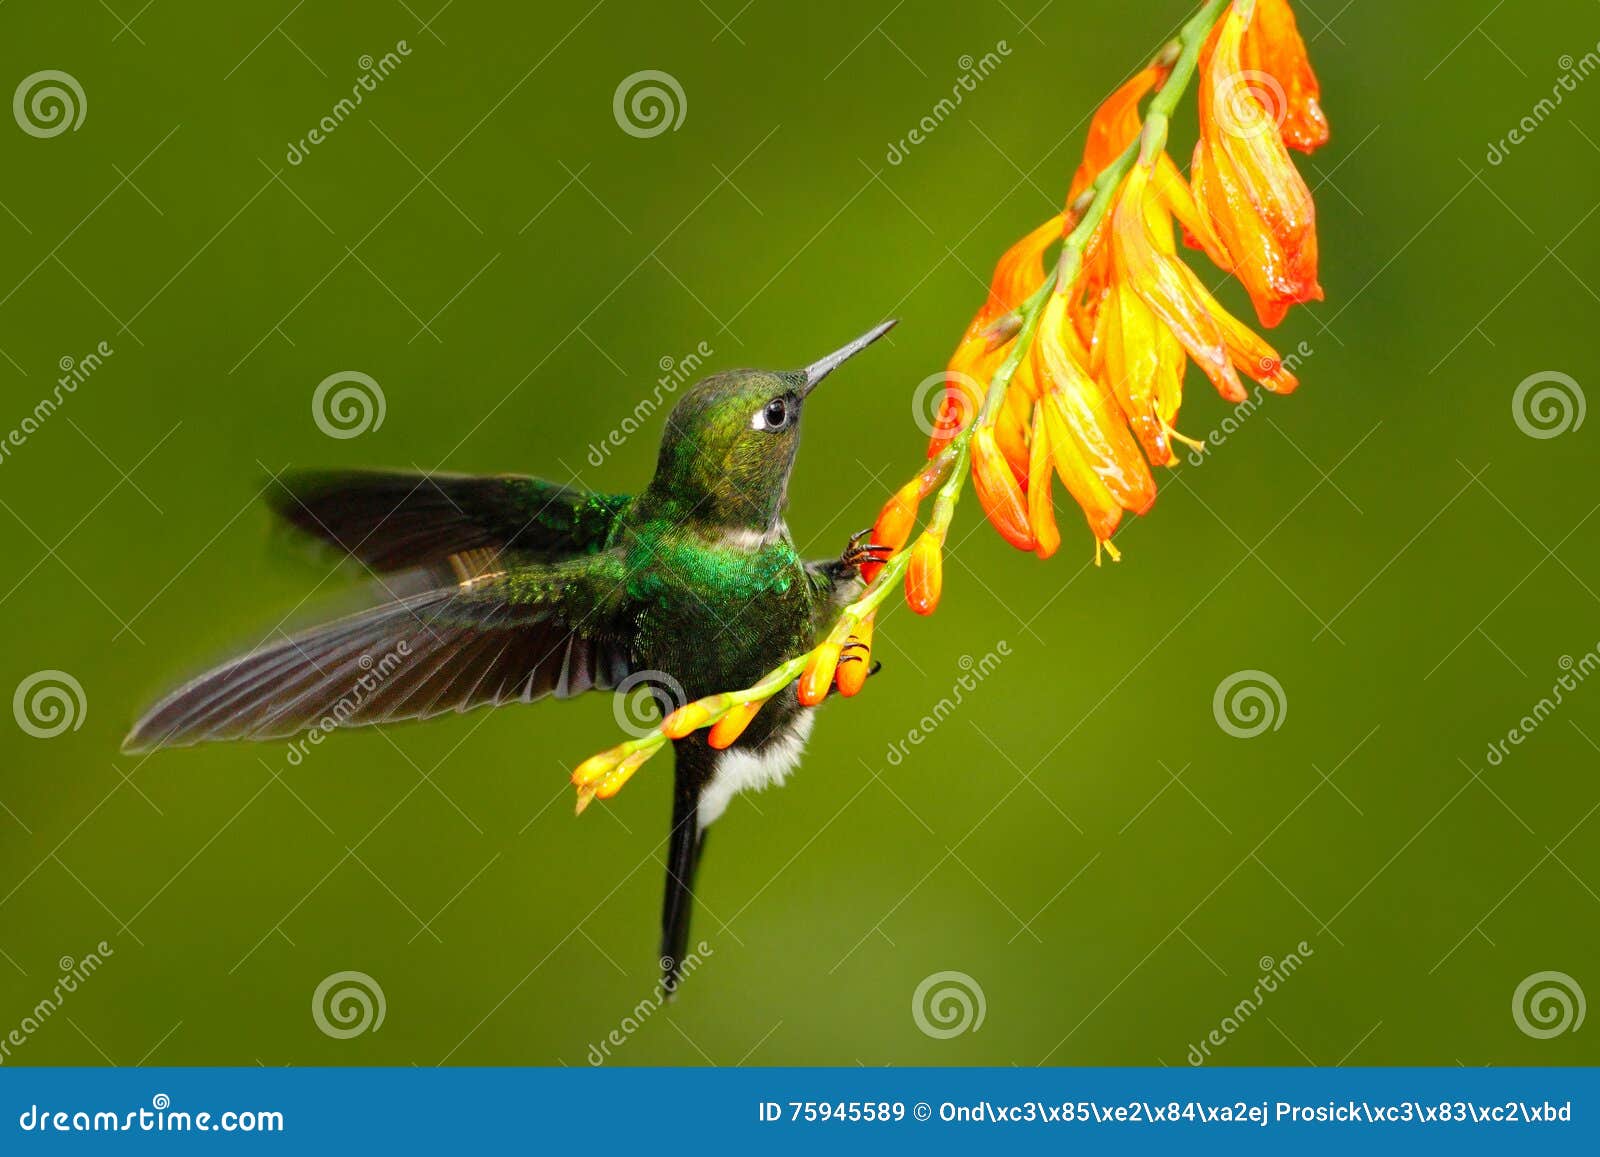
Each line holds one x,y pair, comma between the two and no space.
391,520
514,637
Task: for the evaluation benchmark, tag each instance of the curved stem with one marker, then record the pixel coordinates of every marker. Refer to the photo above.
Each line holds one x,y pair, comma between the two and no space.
1185,55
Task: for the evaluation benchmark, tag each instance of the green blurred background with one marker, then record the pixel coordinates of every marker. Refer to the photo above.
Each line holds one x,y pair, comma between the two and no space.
1081,838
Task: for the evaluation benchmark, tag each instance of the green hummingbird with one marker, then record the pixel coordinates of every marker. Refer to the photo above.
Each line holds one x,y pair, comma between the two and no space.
518,588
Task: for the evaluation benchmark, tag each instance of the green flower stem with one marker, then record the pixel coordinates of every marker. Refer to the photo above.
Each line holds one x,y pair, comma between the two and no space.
1152,139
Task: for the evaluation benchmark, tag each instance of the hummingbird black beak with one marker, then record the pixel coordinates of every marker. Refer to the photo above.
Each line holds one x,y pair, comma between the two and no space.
821,368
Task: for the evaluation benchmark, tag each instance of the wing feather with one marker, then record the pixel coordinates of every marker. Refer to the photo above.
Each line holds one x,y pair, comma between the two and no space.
556,629
393,520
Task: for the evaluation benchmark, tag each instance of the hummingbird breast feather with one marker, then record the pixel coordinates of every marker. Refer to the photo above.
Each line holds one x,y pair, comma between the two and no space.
755,768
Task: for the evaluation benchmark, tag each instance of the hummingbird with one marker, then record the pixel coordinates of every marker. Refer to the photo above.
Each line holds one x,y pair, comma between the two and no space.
508,589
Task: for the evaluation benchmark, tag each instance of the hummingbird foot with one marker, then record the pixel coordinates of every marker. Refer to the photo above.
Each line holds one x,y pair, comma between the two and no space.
858,554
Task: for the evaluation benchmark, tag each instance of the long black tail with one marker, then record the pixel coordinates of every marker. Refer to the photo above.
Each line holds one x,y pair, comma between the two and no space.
684,848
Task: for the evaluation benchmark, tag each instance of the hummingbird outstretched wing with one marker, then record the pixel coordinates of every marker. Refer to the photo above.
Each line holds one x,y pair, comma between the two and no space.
394,519
531,630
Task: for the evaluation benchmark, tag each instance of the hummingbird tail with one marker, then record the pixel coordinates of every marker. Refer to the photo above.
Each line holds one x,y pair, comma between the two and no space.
684,847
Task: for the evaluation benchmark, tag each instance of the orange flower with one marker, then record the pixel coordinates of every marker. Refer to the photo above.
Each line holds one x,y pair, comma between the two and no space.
1272,45
1143,364
1087,414
1138,357
1041,504
1016,276
925,573
1257,203
1011,423
1217,341
727,729
854,664
998,491
1113,127
1094,279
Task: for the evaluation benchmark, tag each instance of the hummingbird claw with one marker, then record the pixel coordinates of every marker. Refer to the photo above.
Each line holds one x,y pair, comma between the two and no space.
857,553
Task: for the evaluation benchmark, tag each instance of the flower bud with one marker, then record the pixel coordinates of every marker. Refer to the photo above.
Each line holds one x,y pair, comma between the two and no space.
818,675
925,573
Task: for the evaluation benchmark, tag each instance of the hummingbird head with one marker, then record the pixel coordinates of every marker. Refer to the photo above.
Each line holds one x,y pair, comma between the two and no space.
730,442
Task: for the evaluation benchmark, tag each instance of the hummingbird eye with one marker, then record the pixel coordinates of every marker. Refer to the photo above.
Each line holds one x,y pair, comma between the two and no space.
773,416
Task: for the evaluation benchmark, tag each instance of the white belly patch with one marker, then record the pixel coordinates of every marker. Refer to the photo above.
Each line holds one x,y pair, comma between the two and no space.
755,769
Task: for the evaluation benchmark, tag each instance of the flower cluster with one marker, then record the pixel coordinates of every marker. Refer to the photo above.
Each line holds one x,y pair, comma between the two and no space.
1079,373
1076,372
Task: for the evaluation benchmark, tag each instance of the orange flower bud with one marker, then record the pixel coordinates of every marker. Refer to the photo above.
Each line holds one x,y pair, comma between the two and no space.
899,516
857,659
998,492
895,523
622,773
595,768
727,729
818,675
688,718
925,573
